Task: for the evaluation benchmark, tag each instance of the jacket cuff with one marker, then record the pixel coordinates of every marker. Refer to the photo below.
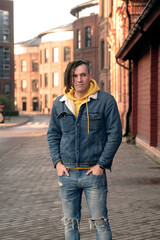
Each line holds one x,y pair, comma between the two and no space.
56,163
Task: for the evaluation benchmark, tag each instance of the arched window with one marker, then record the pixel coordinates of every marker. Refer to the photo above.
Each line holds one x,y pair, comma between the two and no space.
34,85
88,37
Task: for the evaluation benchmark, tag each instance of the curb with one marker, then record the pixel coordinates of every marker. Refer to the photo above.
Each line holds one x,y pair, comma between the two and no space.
8,125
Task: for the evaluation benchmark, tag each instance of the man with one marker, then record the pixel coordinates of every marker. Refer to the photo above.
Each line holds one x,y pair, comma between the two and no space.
84,134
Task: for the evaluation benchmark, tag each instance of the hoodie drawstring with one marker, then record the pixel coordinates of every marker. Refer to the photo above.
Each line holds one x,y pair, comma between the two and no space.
87,115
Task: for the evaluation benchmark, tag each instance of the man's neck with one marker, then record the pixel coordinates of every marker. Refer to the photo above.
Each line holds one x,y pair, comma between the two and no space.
79,95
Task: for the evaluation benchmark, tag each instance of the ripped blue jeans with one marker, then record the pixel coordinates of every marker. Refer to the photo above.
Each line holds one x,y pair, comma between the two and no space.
95,190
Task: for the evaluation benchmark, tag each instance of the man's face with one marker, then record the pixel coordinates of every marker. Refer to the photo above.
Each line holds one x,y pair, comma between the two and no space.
81,79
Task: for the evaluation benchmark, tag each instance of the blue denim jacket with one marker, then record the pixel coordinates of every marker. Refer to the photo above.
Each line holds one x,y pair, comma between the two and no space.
68,136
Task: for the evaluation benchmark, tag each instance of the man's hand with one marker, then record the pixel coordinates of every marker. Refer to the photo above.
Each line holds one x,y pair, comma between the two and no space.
61,169
96,170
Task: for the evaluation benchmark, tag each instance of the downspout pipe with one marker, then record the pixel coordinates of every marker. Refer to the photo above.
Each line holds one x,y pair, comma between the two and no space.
129,80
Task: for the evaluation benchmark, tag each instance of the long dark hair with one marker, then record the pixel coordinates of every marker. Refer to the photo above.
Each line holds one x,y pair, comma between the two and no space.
68,74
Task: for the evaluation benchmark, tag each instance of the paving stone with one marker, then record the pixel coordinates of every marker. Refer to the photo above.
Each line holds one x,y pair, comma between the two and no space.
31,206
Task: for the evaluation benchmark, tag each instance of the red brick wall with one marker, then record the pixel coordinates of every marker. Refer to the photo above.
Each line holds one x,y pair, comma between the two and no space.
154,93
143,124
158,131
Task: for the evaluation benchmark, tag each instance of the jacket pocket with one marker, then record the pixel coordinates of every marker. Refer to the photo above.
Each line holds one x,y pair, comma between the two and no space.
94,121
66,121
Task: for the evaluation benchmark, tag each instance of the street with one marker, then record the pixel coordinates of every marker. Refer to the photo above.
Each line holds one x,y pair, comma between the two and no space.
29,195
18,135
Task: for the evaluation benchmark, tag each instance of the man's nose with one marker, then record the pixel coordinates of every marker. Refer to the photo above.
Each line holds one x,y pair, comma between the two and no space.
79,78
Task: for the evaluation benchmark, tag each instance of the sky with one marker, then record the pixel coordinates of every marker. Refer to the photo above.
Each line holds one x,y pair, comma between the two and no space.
32,17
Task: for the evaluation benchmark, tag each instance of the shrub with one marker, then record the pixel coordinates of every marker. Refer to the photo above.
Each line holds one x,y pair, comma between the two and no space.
7,102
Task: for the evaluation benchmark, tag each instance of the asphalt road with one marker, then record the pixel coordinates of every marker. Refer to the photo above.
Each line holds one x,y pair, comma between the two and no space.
15,136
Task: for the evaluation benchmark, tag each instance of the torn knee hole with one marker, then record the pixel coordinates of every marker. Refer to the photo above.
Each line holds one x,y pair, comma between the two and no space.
96,222
97,219
74,222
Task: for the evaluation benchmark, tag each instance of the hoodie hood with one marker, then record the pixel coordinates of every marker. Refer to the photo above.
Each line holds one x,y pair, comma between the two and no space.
76,103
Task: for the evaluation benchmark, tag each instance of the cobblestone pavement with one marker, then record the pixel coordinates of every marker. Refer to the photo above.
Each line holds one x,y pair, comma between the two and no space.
31,208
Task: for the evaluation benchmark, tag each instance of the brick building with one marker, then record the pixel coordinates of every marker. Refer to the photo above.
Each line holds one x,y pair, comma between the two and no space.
142,47
39,68
121,18
56,50
27,75
103,45
85,30
6,49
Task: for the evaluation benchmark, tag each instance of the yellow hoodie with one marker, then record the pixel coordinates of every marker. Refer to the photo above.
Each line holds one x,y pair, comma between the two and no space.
93,88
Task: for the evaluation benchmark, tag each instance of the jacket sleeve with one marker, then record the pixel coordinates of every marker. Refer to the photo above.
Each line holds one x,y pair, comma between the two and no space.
114,134
54,136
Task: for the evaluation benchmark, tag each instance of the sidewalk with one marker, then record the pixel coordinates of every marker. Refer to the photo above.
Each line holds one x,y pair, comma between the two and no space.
31,206
15,120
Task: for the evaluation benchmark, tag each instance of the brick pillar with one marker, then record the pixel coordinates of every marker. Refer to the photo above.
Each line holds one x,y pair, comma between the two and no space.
154,94
134,97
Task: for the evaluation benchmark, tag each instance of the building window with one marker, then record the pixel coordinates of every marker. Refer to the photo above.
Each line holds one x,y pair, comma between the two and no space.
4,62
102,54
46,79
89,66
55,79
35,66
46,55
24,85
5,26
35,85
102,86
88,37
78,39
7,89
46,101
40,56
67,54
102,9
55,55
15,66
40,80
23,66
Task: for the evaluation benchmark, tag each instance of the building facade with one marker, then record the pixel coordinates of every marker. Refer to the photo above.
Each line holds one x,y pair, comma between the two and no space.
103,45
142,47
85,30
6,50
39,69
56,51
122,17
27,75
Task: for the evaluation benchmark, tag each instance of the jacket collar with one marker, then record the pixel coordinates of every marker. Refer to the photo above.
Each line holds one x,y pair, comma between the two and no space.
65,99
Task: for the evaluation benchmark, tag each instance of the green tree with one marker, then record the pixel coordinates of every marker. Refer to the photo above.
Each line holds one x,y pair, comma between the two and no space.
7,102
